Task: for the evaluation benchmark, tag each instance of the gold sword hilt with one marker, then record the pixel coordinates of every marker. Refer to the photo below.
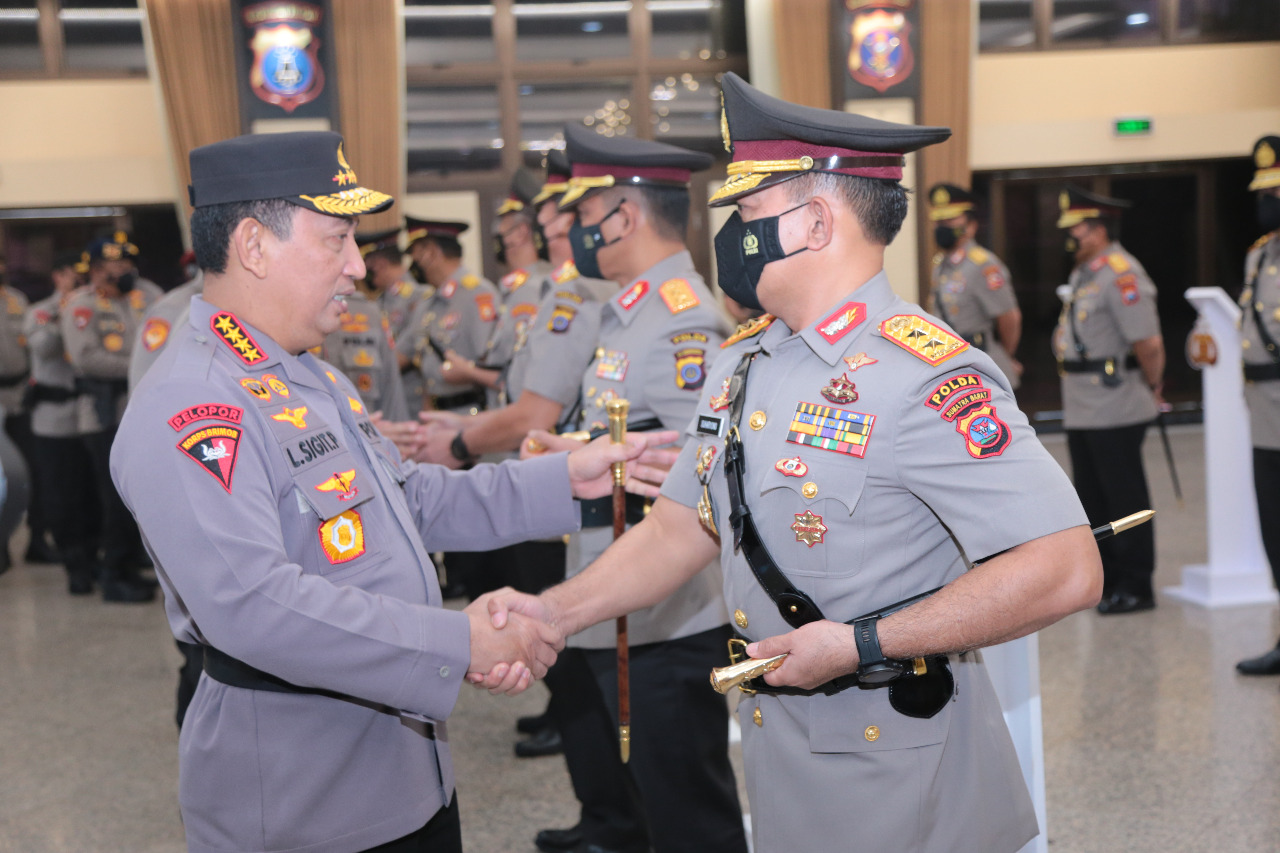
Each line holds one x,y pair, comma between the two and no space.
725,678
617,410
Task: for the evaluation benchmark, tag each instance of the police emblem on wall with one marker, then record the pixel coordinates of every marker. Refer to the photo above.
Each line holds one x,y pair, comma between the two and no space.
877,40
286,46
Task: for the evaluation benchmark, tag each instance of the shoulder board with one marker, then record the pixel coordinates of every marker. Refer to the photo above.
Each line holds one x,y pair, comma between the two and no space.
749,329
678,295
470,281
1260,242
922,338
1117,262
978,255
566,273
405,290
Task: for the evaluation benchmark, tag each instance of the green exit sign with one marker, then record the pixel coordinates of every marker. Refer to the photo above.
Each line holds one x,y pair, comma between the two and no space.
1132,126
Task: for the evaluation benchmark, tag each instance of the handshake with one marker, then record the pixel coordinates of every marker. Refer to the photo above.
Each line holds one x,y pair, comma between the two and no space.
514,640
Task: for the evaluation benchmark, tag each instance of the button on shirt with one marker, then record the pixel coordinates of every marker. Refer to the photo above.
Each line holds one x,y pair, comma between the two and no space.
289,535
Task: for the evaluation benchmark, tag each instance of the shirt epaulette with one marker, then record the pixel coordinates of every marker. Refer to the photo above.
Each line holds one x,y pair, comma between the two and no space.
1118,262
921,338
749,329
1261,241
677,295
978,255
470,281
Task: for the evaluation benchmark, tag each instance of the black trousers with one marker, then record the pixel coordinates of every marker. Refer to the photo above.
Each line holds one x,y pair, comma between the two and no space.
19,429
1106,465
121,542
679,765
441,834
1266,482
66,486
527,566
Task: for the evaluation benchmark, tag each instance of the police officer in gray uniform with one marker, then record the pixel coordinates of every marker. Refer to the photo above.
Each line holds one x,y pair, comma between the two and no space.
849,454
159,321
630,199
99,324
455,318
1111,360
362,349
292,542
61,464
1260,327
971,290
15,367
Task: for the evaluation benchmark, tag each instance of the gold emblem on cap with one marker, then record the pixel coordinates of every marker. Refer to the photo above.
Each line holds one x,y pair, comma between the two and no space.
806,163
871,733
809,490
1064,200
940,197
758,419
724,126
1265,156
739,618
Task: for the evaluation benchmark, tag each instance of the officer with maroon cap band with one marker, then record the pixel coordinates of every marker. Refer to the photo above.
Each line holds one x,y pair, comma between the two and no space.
849,454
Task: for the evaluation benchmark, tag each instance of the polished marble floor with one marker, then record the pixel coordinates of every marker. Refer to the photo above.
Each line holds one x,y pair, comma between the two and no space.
1152,742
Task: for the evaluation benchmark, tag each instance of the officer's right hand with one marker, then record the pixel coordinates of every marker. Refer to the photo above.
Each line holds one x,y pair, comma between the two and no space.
509,658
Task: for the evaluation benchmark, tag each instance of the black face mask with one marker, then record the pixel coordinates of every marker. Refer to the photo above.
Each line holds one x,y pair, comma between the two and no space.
499,250
742,250
586,241
946,237
126,282
1268,212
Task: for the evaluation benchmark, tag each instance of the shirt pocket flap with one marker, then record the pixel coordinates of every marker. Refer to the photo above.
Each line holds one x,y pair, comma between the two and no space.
815,484
860,720
331,490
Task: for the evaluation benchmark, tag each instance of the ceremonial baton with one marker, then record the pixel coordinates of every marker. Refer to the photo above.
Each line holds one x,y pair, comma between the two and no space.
723,678
1168,456
617,410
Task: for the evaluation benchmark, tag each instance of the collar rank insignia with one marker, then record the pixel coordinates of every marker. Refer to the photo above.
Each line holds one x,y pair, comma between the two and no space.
343,484
342,537
840,390
844,320
568,272
356,405
809,528
923,339
215,448
256,388
792,467
154,333
720,402
748,329
450,287
678,295
292,416
630,297
514,280
274,383
859,360
240,342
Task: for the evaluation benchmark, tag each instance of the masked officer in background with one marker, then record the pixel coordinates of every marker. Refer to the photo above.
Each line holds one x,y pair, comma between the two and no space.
398,295
971,290
161,317
292,542
847,455
1111,360
1260,328
362,348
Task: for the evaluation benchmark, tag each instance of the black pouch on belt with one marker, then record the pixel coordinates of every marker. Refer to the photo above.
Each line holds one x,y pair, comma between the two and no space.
923,696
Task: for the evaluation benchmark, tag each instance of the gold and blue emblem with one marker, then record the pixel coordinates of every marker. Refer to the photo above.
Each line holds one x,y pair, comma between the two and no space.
880,54
561,317
690,369
985,434
286,69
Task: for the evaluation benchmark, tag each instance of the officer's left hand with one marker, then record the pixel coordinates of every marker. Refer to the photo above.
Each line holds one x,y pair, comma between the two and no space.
405,435
816,653
437,440
589,467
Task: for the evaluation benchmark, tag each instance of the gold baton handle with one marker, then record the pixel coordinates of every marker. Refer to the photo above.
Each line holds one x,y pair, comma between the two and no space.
725,678
617,410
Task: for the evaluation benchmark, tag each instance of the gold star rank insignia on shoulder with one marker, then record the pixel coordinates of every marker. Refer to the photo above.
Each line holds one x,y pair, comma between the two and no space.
225,325
749,329
678,295
923,339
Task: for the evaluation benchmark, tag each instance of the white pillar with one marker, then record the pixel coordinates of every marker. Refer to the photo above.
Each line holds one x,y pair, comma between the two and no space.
1237,571
1015,673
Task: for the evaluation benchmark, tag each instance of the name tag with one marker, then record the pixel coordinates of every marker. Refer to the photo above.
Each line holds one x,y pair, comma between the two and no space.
708,425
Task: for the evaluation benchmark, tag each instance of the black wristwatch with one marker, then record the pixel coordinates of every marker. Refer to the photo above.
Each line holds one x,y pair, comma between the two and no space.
873,668
458,448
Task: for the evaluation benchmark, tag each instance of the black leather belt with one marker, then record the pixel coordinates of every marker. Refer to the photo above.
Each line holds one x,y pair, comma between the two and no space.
599,512
41,393
460,401
12,379
1261,372
236,673
1098,365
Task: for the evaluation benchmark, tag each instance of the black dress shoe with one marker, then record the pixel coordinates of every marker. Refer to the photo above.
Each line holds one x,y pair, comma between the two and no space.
544,742
556,840
532,725
1268,664
39,551
1125,602
126,592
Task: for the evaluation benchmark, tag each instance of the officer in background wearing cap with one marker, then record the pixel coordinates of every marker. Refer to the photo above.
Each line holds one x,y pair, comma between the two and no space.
1260,329
454,320
291,541
398,295
162,316
60,461
99,325
1111,361
630,198
363,349
15,367
971,291
849,454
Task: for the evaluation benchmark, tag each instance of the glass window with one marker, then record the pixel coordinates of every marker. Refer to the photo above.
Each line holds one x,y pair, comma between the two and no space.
441,34
547,30
1005,24
103,35
545,108
454,127
1106,20
20,37
698,29
685,111
1229,19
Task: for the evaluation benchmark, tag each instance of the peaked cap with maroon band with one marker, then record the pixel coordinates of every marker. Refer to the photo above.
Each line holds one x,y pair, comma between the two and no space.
774,141
416,229
524,187
558,173
1076,205
372,241
608,161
